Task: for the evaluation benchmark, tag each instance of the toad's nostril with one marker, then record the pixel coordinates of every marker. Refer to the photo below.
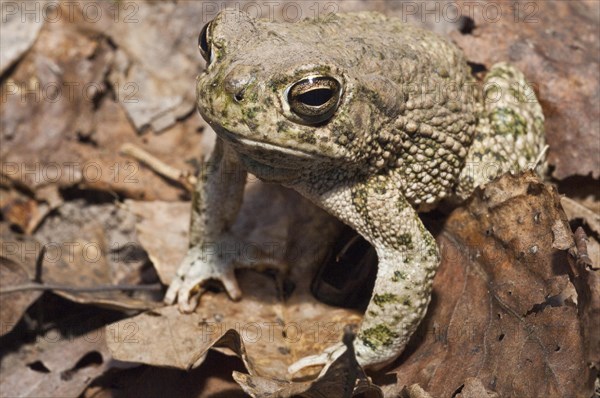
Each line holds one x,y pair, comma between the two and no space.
239,97
233,86
236,81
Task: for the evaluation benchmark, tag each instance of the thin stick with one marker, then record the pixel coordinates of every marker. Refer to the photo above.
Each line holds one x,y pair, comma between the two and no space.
158,166
540,157
79,289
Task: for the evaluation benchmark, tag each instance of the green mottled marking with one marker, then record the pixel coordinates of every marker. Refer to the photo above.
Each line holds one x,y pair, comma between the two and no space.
497,156
538,124
250,112
517,94
406,241
281,126
432,251
398,276
378,336
385,298
359,199
503,73
307,138
273,85
506,121
402,204
380,189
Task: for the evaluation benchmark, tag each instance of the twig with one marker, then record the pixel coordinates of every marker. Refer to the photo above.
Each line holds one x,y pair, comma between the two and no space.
158,166
540,157
79,289
581,240
346,247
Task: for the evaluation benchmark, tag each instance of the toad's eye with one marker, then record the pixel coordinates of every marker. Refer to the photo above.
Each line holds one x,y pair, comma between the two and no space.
314,99
204,42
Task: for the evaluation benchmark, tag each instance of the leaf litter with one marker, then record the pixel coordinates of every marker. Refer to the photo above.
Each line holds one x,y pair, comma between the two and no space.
504,313
515,303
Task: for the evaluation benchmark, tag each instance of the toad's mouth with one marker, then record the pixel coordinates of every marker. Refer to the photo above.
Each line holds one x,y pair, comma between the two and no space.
256,148
269,173
269,162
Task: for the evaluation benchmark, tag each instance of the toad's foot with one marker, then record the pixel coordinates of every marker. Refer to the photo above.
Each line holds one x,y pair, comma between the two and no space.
329,355
216,262
196,269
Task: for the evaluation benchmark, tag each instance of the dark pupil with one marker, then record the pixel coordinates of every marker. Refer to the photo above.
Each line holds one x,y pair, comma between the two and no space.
316,97
202,40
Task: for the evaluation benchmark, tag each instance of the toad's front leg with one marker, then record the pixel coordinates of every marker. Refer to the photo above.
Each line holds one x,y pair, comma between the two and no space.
408,257
216,202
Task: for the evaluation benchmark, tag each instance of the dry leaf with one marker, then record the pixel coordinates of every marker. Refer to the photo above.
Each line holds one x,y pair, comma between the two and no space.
85,247
63,122
342,378
500,311
474,388
18,259
274,327
162,225
587,282
91,246
18,33
57,367
211,380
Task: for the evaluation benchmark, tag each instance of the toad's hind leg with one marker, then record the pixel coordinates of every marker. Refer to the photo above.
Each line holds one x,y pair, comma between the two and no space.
510,135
